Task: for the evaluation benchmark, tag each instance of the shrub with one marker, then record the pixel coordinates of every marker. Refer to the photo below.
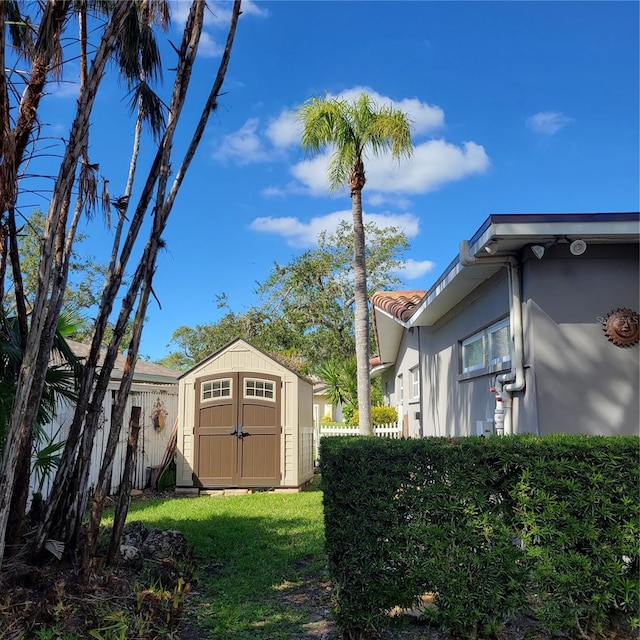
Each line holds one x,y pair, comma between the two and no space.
486,524
379,416
327,417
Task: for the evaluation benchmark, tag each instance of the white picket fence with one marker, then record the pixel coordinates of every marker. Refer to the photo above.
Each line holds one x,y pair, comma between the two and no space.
383,431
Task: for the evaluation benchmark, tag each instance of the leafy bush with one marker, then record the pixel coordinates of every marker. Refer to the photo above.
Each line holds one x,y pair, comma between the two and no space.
347,413
488,526
379,416
327,417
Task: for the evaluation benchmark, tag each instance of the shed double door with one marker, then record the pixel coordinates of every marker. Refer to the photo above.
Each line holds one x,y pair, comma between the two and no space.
237,430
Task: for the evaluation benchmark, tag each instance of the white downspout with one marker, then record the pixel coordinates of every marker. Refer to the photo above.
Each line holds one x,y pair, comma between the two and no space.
507,383
515,378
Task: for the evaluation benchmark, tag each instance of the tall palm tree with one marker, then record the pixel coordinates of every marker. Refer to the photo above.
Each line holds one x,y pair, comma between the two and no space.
352,128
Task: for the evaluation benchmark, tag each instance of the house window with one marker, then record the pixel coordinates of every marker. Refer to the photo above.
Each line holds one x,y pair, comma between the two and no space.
400,388
415,382
214,389
487,348
258,389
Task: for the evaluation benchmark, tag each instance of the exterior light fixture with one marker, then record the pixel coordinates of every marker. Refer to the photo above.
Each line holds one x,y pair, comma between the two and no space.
578,247
491,248
538,250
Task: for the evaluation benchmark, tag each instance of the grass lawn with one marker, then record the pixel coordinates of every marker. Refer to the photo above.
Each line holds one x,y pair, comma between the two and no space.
259,559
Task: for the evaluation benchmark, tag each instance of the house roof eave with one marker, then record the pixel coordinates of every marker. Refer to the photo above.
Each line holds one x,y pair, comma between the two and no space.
503,235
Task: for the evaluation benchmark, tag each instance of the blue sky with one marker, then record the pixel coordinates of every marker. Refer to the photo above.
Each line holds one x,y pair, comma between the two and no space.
518,107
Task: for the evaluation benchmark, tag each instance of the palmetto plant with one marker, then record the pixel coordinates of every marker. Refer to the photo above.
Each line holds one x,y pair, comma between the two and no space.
60,386
351,129
340,377
61,381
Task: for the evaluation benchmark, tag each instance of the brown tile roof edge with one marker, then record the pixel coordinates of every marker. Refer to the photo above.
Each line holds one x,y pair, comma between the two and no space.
400,304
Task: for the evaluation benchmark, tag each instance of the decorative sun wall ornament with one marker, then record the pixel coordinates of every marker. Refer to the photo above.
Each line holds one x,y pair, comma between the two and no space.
621,326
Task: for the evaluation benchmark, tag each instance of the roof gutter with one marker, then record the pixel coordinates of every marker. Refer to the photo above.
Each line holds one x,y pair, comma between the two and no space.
507,383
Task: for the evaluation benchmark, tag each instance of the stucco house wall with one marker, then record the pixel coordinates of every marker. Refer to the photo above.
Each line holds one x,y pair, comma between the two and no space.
397,389
575,379
454,403
584,383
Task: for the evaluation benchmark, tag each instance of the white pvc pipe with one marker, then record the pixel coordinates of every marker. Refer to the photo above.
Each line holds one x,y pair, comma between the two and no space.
515,378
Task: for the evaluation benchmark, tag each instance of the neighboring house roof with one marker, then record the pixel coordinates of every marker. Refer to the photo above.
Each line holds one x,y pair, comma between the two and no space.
500,235
400,304
144,371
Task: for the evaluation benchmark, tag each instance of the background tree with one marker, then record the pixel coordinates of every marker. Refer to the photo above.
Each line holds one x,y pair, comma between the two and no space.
84,287
351,129
305,308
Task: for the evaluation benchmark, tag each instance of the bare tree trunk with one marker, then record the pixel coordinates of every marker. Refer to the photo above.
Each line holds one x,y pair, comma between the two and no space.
101,490
31,377
124,496
361,315
69,496
65,508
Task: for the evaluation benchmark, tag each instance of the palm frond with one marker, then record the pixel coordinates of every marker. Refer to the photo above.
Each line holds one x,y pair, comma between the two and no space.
151,107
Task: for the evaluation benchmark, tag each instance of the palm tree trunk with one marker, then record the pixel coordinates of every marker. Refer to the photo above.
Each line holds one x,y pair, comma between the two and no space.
124,497
361,315
31,379
70,492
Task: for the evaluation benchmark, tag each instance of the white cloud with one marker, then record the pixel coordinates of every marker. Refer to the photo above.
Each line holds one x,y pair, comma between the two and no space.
65,89
413,269
433,164
548,122
284,131
243,146
424,117
251,8
208,47
216,14
294,187
305,234
376,199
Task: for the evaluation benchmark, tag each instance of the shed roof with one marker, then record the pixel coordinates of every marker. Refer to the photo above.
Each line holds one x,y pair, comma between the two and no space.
144,371
215,354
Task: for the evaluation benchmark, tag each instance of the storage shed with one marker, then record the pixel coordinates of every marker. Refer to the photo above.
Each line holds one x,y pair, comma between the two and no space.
154,390
245,421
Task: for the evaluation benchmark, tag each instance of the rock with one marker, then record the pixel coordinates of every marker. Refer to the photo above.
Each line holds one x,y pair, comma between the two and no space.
130,557
134,534
163,544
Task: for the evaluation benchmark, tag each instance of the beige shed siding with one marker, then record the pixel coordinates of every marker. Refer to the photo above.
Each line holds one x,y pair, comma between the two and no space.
305,432
240,356
288,477
184,453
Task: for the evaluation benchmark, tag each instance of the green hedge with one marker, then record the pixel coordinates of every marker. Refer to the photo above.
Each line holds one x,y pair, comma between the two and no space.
491,526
